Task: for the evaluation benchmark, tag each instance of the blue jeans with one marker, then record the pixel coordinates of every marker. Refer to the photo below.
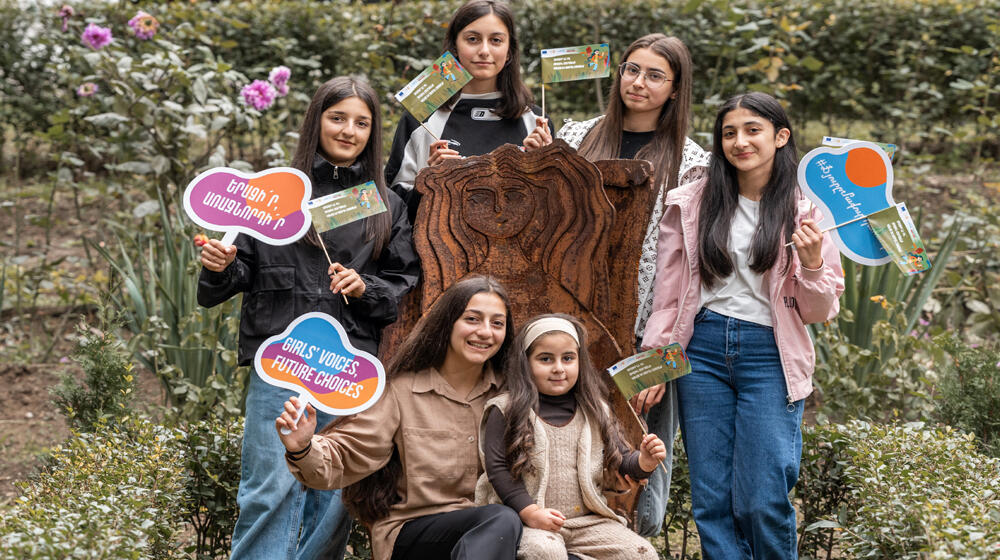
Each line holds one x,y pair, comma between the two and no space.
651,508
743,440
274,507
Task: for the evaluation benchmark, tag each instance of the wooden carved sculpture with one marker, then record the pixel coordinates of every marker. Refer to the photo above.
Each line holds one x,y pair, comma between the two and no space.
561,233
539,222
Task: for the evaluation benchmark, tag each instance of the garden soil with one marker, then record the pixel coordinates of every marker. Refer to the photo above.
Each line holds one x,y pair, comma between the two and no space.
37,340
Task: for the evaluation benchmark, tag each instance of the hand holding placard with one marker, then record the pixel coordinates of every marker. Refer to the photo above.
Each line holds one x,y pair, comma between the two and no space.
314,357
296,429
649,369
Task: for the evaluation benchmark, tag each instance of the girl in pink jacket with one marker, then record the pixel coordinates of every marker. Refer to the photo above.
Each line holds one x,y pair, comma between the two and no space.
741,269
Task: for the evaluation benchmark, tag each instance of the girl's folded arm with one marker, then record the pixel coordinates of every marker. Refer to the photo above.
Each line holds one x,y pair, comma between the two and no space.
511,492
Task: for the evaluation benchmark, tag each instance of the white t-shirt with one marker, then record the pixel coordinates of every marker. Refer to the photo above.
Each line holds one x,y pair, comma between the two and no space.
742,294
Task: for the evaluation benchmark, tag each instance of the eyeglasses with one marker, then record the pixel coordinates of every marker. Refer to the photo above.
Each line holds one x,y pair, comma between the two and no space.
630,72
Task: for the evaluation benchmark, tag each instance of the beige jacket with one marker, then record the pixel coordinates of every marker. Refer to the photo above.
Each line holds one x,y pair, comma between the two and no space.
436,432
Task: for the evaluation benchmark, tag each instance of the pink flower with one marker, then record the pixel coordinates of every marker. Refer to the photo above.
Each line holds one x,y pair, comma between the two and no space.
87,89
96,36
279,75
144,25
259,94
65,13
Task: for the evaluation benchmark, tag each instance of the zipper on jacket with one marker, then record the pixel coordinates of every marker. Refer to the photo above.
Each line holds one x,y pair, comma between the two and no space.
336,174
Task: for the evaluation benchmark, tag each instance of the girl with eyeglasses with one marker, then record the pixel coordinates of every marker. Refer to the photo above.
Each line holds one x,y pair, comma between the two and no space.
648,114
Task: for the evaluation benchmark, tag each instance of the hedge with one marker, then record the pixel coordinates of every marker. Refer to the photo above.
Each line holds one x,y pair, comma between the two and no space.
898,491
138,490
910,70
112,494
131,490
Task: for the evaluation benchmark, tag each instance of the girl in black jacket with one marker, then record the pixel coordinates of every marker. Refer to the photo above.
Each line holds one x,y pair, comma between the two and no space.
374,265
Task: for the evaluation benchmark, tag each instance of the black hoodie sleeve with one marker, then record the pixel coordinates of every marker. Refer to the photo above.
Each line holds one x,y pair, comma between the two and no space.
216,287
398,269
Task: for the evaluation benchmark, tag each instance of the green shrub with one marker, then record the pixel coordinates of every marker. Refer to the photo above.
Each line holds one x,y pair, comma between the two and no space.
131,490
899,491
970,393
110,494
212,457
105,394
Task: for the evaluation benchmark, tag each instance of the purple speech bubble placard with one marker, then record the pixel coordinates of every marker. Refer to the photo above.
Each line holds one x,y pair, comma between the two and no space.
270,205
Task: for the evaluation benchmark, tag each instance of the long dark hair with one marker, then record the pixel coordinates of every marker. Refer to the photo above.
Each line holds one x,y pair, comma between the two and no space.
666,149
515,96
591,396
721,196
378,228
427,345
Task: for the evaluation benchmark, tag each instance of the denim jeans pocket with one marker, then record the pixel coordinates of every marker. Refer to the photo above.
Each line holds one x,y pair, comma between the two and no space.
702,314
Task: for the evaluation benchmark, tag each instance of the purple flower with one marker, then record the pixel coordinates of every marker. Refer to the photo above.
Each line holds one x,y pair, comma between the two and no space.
64,360
87,89
923,322
65,13
144,25
259,94
96,36
279,77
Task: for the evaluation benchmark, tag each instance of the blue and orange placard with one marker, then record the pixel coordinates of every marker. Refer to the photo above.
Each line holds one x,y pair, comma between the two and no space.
314,358
847,184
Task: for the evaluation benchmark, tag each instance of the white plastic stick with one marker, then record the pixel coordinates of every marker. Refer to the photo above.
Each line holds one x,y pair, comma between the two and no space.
229,237
859,218
303,401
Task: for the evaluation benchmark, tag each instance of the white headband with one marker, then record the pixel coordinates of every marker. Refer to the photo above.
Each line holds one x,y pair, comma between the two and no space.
547,325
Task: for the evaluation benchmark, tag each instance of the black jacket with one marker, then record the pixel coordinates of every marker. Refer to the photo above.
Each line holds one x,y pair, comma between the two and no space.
283,282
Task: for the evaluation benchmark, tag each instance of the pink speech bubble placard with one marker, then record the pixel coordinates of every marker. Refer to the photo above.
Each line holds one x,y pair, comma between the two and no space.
270,205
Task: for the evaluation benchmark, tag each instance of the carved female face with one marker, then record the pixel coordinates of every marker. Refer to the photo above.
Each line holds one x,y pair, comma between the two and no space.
497,211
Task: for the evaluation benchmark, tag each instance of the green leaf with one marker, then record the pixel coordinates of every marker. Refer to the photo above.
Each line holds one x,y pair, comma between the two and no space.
160,164
200,91
139,167
106,119
812,64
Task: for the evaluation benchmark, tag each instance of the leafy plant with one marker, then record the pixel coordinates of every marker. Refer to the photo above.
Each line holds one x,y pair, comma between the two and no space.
191,349
212,456
868,361
112,493
970,392
105,395
899,491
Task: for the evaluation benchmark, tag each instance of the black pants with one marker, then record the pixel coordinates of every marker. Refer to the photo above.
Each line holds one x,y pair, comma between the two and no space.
480,533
